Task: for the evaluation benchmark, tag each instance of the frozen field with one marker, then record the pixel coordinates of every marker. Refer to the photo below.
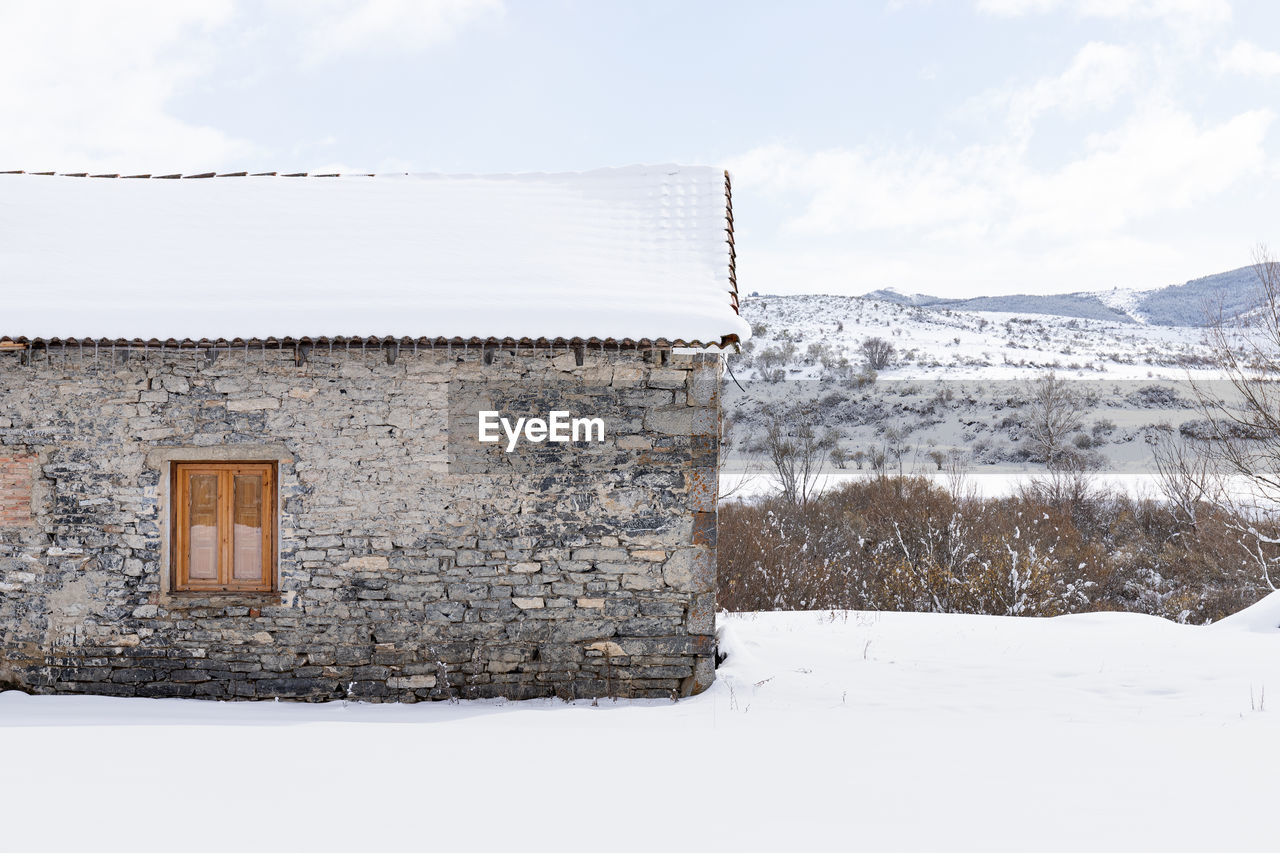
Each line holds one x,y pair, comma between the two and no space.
982,423
962,384
824,731
741,481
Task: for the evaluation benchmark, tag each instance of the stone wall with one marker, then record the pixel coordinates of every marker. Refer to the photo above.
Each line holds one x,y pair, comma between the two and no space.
413,562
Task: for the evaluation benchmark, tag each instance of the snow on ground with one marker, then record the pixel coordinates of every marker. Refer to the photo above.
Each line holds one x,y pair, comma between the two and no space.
892,731
938,342
1125,301
741,482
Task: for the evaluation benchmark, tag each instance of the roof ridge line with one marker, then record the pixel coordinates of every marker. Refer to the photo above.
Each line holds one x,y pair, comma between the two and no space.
193,175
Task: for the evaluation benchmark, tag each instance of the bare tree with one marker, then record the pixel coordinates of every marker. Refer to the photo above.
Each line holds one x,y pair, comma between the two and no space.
839,457
957,476
1054,413
728,444
796,451
1188,478
896,447
1240,453
1191,480
1244,431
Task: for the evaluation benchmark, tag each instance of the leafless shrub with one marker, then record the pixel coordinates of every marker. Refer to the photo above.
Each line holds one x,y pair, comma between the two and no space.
731,486
817,353
957,475
1067,482
839,457
878,353
1244,434
1240,431
1188,478
905,543
796,452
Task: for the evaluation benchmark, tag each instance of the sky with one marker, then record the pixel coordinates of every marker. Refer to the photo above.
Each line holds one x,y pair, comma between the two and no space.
953,148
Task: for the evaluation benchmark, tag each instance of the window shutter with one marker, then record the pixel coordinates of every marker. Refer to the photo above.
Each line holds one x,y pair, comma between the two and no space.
224,526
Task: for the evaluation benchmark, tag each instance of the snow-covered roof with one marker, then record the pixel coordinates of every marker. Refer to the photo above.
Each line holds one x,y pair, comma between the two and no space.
628,254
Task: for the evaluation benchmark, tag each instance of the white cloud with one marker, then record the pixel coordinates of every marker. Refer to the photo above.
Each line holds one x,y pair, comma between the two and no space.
1156,162
1139,188
989,213
1247,58
84,85
852,190
1012,8
89,86
959,270
1097,77
1185,11
338,27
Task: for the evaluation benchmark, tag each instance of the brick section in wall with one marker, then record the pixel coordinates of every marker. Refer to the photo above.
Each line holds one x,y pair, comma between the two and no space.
17,472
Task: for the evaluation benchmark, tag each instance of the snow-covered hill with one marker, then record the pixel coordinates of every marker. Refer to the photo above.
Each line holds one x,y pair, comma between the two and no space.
923,382
1193,303
817,336
1200,300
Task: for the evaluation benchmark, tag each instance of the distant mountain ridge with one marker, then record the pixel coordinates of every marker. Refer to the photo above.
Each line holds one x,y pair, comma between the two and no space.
888,294
1198,301
1193,303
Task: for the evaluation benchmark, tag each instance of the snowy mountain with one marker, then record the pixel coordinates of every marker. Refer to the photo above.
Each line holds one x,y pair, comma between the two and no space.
1199,300
1191,304
889,294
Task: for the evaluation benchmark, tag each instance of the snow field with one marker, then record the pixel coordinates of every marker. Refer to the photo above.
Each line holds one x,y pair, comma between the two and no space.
893,731
954,344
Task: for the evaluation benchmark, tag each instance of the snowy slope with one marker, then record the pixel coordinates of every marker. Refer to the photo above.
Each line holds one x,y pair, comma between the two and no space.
1128,302
893,731
940,342
1199,300
1193,303
957,387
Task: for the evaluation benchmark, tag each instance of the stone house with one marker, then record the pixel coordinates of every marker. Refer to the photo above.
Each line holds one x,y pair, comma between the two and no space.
392,438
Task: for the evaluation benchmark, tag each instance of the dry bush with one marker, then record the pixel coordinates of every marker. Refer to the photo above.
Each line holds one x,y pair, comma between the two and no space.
905,543
877,353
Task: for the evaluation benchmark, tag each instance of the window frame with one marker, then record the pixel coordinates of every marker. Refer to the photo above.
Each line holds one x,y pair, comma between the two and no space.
179,557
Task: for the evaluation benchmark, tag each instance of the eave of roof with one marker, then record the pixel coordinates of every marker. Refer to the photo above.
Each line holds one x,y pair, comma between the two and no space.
339,342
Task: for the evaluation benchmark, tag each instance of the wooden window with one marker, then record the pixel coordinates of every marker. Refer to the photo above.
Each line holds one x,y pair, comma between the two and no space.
224,523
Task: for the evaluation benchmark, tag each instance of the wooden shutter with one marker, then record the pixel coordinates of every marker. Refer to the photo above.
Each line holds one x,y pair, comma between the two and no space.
223,526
